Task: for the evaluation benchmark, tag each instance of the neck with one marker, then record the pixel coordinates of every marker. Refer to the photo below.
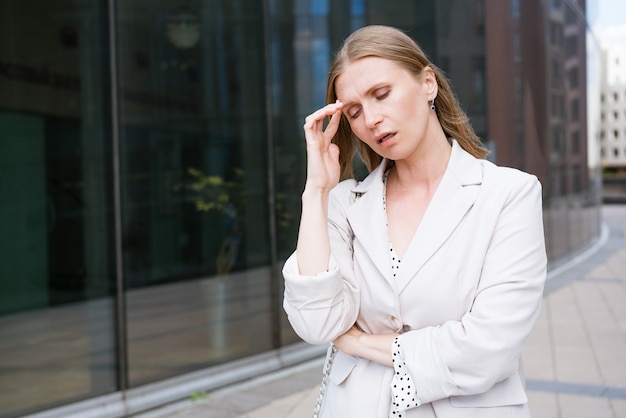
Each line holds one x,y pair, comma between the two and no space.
426,169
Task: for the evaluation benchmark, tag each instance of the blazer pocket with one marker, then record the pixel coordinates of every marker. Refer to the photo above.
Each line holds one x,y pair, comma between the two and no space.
505,393
341,368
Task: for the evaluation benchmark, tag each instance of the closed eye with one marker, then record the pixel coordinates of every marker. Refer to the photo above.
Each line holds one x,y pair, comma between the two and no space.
382,95
354,112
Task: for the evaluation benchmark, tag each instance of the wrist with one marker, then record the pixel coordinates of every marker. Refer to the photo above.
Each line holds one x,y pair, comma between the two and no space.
351,344
315,194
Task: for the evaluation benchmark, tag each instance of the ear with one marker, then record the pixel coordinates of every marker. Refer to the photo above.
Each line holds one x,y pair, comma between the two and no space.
429,78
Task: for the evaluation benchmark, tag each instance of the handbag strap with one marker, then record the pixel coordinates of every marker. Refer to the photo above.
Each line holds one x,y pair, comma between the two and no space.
326,372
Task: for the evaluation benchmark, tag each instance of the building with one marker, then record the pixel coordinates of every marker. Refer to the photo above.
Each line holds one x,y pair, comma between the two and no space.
152,160
613,122
613,109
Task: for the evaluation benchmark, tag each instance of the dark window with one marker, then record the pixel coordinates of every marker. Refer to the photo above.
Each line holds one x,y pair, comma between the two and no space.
575,105
57,265
576,142
194,179
573,78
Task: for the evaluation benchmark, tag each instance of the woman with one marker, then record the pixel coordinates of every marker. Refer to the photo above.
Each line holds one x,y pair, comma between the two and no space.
428,275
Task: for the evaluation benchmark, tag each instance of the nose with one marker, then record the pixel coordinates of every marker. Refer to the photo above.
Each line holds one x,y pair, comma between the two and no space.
372,117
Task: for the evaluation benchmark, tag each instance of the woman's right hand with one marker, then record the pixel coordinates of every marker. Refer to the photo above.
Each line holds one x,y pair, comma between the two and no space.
313,248
323,168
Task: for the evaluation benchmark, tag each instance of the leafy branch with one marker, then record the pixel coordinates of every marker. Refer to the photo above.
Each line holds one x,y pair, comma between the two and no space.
214,192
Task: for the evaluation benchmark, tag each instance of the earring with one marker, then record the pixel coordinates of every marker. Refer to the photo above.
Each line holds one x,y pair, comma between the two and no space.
432,104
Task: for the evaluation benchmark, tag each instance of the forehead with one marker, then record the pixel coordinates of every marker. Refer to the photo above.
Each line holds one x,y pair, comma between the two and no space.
361,75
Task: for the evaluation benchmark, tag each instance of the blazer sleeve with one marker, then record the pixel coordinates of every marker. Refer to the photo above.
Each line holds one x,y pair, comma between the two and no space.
468,357
322,307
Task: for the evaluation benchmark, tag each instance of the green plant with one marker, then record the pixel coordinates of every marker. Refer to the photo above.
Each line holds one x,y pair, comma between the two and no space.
213,192
198,396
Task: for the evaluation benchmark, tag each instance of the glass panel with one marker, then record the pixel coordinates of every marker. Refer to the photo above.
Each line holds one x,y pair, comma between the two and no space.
299,60
572,200
196,235
56,257
287,135
460,51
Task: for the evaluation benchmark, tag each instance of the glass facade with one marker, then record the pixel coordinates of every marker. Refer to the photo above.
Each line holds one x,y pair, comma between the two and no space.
57,268
152,160
194,184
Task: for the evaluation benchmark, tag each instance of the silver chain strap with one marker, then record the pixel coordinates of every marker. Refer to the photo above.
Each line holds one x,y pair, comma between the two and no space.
326,372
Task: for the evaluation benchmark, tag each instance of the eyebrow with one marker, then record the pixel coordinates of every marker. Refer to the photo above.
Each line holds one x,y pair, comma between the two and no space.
369,91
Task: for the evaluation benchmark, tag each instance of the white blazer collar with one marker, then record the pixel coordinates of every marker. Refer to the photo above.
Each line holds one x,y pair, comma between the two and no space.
454,196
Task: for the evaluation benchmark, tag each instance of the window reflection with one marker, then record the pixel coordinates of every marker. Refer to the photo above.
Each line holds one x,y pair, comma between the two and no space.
56,257
194,185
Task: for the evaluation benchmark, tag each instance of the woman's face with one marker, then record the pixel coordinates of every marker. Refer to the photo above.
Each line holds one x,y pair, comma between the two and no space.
386,105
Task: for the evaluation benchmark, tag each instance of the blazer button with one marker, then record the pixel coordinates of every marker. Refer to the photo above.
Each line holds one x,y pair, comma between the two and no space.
394,321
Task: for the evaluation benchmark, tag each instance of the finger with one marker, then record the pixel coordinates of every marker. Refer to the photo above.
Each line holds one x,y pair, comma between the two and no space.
333,124
333,152
312,121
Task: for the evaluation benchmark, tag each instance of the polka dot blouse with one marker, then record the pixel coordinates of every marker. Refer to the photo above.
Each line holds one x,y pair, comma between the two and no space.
403,394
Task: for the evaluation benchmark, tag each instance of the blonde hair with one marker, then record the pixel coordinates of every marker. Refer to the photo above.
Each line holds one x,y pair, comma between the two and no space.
392,44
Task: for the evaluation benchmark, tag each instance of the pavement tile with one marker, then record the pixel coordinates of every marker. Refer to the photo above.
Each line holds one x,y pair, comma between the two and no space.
619,407
542,365
613,365
543,405
571,406
576,365
298,405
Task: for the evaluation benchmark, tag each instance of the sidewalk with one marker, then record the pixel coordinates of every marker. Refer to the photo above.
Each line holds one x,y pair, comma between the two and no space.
575,359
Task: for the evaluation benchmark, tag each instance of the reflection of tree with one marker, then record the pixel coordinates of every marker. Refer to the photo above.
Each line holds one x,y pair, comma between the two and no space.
283,213
212,193
215,194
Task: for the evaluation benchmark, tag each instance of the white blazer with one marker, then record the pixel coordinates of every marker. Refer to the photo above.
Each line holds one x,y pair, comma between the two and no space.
468,290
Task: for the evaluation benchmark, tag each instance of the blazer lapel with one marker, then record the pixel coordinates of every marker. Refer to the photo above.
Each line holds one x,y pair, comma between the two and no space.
454,197
368,220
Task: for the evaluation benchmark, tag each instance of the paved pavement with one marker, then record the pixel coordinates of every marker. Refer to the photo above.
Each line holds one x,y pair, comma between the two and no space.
575,359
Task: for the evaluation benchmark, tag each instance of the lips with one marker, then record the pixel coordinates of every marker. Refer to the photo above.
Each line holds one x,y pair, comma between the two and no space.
384,137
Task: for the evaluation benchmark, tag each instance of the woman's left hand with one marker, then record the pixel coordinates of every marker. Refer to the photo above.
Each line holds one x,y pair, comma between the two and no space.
348,342
374,347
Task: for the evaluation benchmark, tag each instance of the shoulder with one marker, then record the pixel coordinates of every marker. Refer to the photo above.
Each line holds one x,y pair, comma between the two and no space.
499,174
470,170
509,181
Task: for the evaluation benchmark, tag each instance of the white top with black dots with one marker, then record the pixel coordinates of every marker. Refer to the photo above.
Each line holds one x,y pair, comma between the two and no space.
402,387
395,260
